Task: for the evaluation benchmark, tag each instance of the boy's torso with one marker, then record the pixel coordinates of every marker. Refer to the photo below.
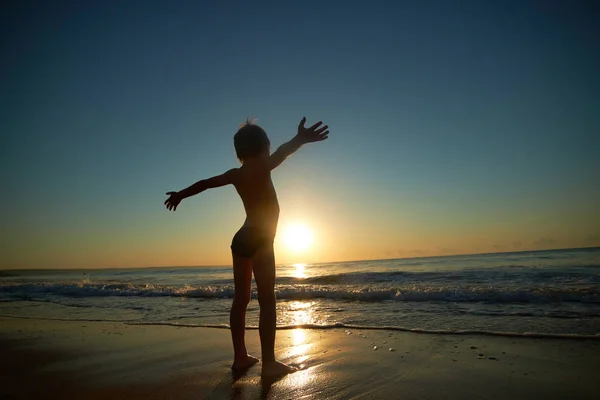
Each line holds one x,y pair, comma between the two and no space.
255,187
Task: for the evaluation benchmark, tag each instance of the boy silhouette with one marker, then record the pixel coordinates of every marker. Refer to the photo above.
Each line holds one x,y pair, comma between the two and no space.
252,245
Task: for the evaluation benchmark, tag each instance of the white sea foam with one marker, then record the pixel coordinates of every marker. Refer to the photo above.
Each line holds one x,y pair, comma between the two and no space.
407,293
393,328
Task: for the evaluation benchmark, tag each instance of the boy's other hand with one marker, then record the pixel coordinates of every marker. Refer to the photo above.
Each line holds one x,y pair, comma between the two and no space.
173,201
312,134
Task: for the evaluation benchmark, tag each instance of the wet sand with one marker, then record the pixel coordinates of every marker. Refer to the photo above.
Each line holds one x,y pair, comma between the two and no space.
97,360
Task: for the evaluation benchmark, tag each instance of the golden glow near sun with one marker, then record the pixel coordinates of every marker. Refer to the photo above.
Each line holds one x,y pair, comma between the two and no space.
297,237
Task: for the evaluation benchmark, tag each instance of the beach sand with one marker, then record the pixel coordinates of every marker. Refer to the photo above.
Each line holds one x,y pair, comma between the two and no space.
46,359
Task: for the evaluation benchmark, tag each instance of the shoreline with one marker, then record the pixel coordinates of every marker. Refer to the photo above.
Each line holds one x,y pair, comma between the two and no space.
463,332
93,360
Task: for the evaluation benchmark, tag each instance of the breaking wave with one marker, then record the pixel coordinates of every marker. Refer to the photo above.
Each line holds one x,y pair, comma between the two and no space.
365,293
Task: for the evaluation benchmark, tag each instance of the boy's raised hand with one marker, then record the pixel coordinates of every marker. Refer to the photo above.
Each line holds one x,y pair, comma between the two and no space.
173,201
312,134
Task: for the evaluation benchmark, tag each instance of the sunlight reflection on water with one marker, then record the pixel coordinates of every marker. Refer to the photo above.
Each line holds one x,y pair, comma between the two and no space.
299,336
301,313
301,379
299,354
299,272
299,348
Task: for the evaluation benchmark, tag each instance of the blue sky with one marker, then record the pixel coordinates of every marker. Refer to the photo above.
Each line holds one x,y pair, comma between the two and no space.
456,127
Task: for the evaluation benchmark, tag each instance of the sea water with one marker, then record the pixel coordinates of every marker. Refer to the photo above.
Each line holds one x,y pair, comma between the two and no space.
553,292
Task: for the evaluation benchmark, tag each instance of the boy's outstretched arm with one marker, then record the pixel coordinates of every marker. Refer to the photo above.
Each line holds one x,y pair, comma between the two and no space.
305,135
216,181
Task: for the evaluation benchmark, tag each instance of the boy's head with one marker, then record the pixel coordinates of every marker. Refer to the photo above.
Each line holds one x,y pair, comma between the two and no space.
250,141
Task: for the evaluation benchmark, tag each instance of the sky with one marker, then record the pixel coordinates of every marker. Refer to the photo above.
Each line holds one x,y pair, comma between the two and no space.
456,127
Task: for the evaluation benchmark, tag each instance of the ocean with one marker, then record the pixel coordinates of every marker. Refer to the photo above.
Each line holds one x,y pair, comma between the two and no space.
549,293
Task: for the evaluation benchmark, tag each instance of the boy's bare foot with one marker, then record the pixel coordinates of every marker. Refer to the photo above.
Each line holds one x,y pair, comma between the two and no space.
273,369
245,363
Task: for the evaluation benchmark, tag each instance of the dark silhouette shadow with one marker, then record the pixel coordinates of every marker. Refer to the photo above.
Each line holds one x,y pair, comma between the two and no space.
228,387
237,374
266,383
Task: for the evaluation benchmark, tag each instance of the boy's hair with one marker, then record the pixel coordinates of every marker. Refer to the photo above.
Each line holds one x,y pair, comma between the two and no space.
250,141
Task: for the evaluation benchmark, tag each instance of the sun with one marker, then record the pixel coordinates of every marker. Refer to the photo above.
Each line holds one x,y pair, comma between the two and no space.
297,237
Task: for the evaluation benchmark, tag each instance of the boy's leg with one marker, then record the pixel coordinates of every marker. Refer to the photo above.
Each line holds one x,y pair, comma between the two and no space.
263,264
242,278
